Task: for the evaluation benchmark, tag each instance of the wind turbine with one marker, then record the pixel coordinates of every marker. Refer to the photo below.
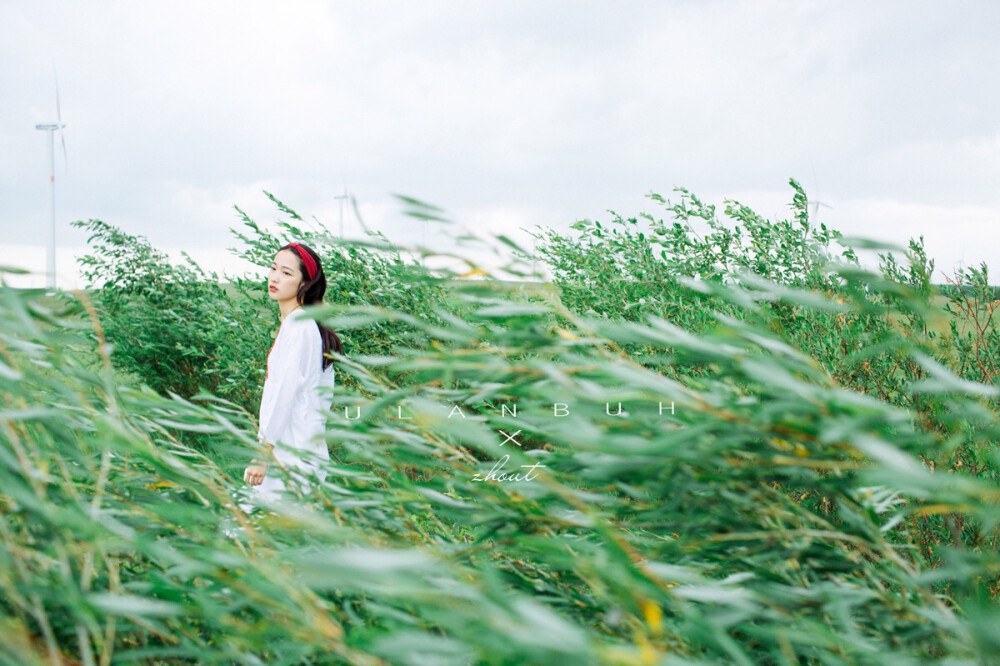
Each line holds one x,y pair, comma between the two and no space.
357,214
51,128
343,199
815,212
349,198
815,204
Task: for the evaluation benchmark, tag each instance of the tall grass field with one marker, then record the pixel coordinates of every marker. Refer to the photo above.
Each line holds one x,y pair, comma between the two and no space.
710,438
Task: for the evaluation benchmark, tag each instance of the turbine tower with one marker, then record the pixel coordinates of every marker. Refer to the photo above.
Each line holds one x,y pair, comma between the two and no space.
51,128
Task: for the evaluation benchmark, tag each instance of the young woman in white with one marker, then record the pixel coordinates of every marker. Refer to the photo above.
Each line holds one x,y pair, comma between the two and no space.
299,382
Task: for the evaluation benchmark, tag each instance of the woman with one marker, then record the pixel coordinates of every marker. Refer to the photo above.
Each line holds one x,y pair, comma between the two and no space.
299,370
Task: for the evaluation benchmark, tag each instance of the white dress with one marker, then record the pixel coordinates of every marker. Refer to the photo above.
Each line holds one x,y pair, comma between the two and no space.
298,394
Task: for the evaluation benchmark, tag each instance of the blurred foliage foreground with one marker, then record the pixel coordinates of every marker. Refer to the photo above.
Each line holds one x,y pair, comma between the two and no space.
714,442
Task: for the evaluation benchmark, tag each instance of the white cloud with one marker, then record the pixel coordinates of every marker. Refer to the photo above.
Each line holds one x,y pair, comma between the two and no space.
946,172
954,236
33,258
177,111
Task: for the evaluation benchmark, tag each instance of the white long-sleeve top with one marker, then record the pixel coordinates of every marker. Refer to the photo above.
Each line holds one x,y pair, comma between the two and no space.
296,397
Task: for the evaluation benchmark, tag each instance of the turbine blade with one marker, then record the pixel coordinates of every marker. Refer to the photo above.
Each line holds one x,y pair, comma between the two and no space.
59,122
58,111
62,139
357,215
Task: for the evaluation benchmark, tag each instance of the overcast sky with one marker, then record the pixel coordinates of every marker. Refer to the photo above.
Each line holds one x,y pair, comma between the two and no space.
506,114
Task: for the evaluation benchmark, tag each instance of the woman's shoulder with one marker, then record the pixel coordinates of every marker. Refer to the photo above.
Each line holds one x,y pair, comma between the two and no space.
299,322
296,316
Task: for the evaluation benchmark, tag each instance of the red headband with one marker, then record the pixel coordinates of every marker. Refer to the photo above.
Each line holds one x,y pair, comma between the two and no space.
306,259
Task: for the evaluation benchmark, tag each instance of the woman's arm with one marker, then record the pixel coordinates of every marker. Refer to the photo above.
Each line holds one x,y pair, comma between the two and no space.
289,368
290,365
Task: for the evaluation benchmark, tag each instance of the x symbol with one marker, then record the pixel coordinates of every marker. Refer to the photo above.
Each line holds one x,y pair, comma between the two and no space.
510,438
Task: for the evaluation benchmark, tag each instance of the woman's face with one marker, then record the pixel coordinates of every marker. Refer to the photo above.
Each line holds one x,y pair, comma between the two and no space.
285,277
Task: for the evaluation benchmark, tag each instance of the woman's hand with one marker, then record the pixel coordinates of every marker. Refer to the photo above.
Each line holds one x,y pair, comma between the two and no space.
254,474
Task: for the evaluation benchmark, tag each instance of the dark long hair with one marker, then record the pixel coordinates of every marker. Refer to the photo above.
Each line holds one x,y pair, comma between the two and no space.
311,293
